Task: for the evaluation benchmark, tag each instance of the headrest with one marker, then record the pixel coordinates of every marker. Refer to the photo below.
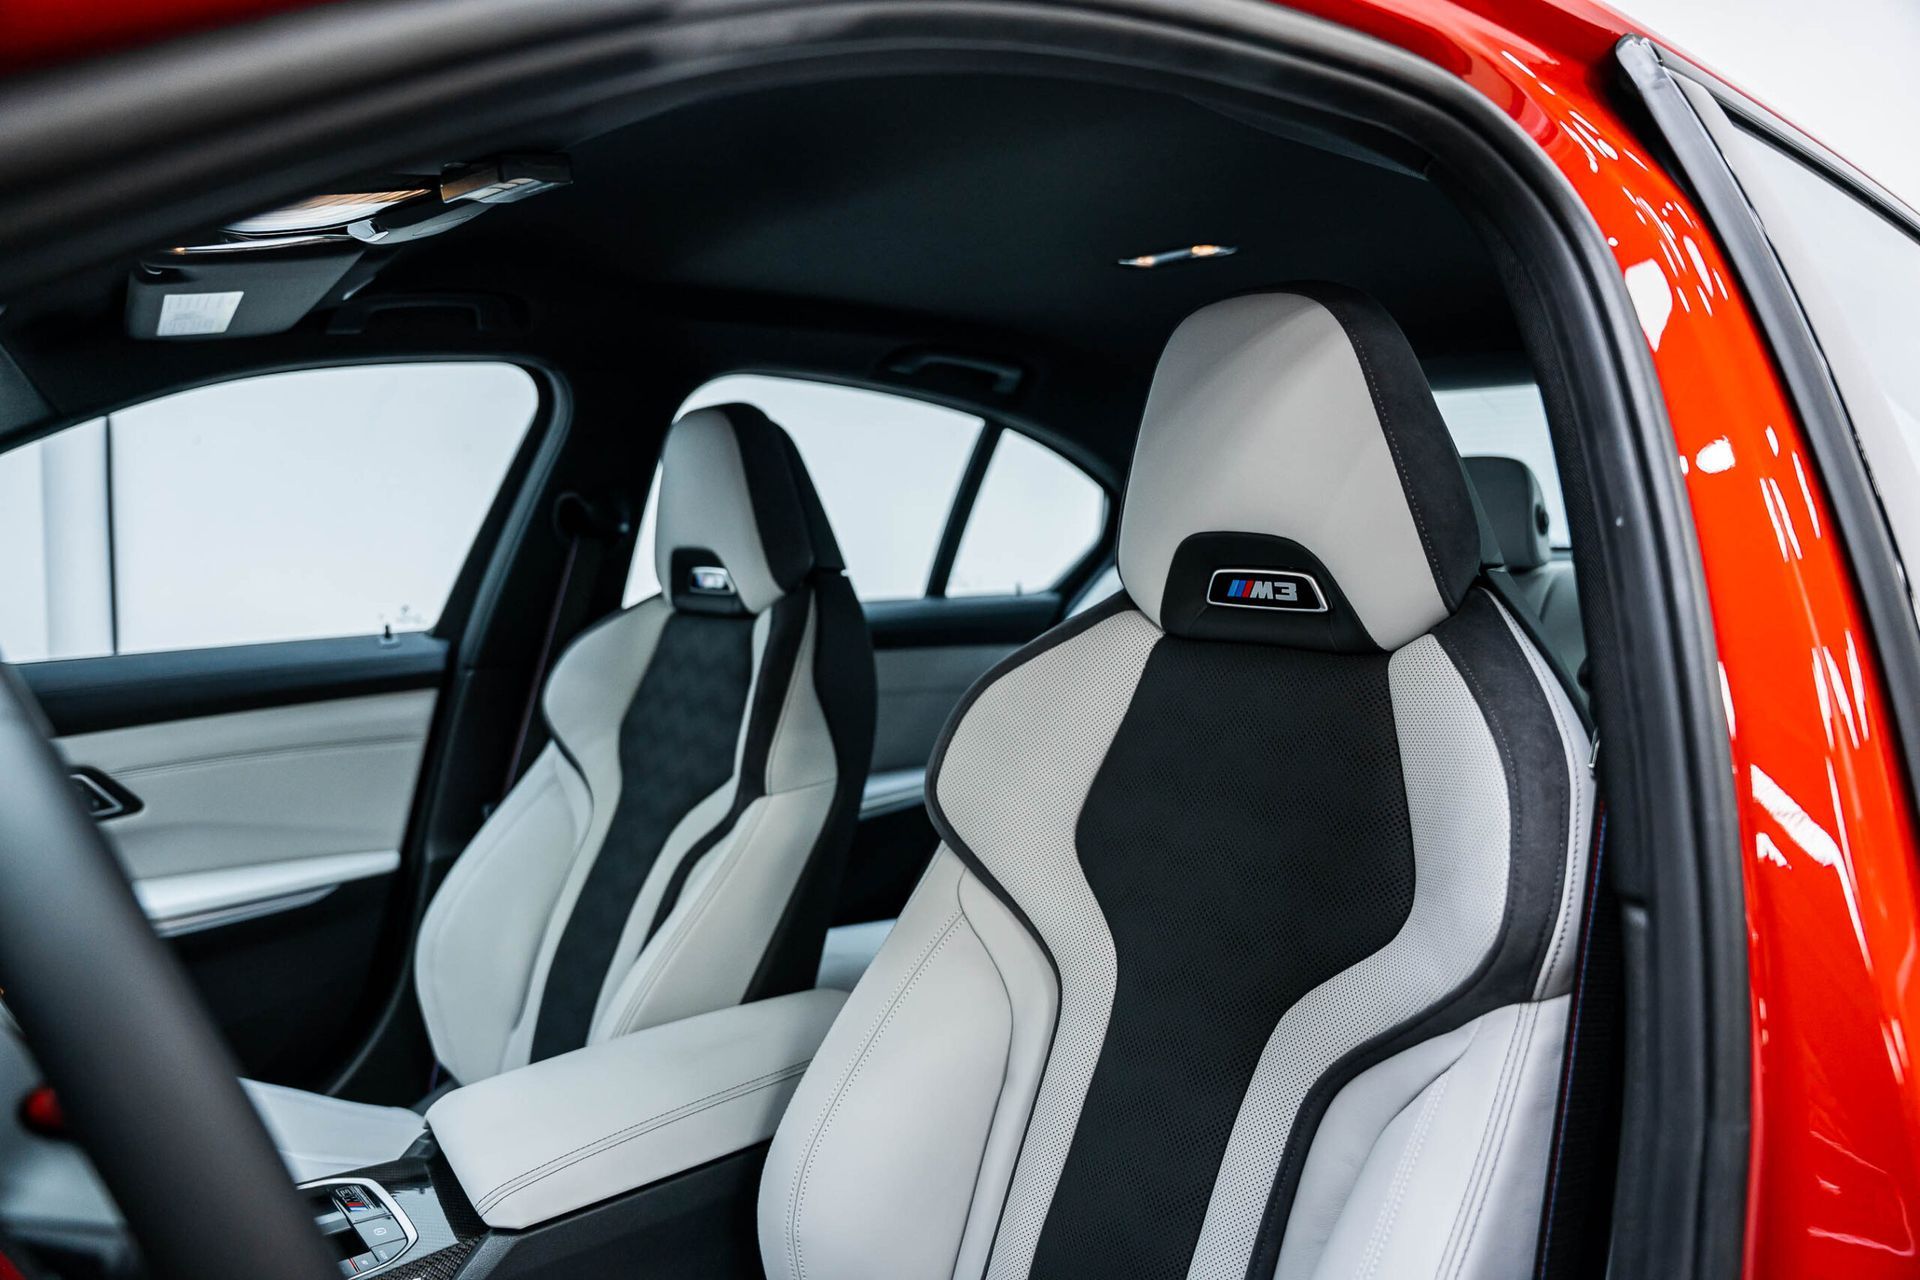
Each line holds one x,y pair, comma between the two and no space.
740,524
1293,482
1510,495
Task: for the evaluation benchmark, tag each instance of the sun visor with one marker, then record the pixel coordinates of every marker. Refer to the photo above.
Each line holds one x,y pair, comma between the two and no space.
235,295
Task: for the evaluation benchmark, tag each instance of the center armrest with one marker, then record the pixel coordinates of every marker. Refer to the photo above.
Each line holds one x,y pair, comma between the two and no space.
532,1144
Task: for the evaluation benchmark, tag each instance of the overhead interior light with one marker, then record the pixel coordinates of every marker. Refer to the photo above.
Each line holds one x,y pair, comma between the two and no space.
1188,253
319,213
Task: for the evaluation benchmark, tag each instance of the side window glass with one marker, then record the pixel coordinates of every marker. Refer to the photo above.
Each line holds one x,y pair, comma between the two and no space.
1857,274
887,469
1511,422
291,506
1035,517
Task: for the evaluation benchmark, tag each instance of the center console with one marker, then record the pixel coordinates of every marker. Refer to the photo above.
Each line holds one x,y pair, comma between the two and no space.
360,1219
390,1218
638,1157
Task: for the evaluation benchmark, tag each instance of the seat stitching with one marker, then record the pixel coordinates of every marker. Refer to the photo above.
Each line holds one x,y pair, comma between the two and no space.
1479,1177
463,890
639,1128
1402,1175
796,1195
1504,1116
1472,1179
731,847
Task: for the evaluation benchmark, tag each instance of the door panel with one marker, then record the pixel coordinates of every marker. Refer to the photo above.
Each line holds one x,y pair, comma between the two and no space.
258,789
917,689
269,789
927,654
85,695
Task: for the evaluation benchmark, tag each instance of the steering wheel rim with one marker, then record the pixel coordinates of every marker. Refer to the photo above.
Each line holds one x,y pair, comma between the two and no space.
144,1079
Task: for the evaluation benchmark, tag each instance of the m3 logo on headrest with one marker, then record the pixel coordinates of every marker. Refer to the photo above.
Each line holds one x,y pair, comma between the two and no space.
710,580
1266,589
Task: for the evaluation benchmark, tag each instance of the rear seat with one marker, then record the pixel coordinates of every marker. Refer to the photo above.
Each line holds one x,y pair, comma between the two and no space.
1510,495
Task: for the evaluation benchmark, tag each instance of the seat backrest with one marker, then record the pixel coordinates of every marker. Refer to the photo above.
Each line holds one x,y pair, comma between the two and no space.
676,846
1510,495
1248,948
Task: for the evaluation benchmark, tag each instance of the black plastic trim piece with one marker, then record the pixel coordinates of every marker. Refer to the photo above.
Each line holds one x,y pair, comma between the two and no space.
962,509
695,1225
85,695
960,620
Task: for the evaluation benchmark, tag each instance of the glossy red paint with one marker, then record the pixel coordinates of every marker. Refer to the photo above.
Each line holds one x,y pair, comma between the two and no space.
37,32
1833,906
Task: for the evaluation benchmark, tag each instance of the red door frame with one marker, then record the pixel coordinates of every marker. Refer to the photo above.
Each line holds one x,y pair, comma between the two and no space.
1827,831
1833,907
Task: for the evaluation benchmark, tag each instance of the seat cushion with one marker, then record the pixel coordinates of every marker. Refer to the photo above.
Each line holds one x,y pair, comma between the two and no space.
319,1136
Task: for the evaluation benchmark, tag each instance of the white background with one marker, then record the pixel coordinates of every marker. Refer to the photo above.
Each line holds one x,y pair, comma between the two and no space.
1846,71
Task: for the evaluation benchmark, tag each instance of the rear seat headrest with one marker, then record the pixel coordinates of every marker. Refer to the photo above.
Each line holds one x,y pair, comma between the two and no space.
1293,482
739,524
1510,495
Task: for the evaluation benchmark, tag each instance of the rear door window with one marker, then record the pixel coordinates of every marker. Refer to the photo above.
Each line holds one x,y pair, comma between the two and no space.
890,472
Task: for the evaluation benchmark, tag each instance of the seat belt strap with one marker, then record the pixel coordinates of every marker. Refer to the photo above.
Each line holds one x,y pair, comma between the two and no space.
541,663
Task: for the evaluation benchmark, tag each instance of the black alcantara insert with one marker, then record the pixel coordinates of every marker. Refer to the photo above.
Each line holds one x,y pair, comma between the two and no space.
1247,838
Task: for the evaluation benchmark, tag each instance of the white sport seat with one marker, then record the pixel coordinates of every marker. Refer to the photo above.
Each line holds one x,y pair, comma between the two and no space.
1249,947
1510,495
676,846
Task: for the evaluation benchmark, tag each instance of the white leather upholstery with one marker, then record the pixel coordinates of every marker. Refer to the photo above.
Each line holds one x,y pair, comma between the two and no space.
1395,1118
703,497
318,1135
544,1140
1227,443
918,1096
1431,1163
1510,495
672,849
850,950
263,787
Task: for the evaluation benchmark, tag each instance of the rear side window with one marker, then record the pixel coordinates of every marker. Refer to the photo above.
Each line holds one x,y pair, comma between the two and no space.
1509,421
1036,517
889,470
292,506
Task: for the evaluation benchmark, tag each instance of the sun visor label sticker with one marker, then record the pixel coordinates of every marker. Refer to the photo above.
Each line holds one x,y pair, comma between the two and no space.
183,315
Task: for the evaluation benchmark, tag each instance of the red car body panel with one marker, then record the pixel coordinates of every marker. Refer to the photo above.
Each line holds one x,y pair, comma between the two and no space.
1827,830
1826,827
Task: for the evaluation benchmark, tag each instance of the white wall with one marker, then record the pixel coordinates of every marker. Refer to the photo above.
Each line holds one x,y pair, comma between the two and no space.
291,506
1843,70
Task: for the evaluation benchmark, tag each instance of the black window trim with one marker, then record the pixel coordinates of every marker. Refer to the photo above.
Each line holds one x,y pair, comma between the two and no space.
960,510
973,473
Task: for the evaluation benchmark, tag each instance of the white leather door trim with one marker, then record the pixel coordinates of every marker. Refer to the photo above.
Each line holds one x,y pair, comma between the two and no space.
249,788
195,900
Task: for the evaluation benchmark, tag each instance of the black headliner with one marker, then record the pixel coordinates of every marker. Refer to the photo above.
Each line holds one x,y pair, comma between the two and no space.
967,211
1004,203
